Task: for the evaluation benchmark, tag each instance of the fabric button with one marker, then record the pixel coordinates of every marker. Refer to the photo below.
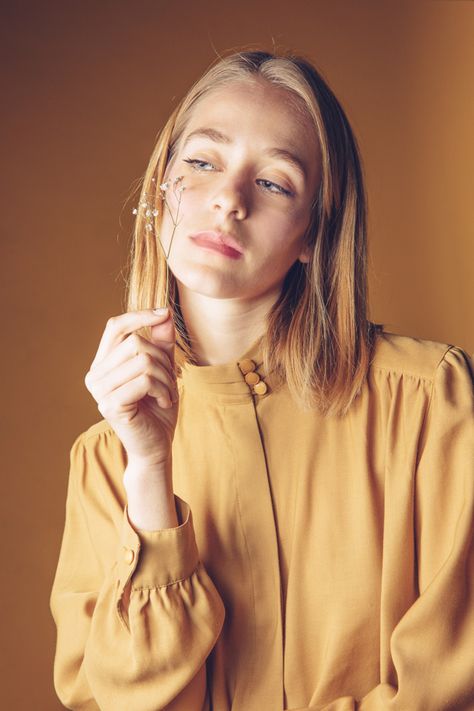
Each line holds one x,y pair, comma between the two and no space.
260,388
252,378
128,556
246,366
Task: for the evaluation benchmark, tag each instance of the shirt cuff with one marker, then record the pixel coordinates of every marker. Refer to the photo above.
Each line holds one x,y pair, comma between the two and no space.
154,559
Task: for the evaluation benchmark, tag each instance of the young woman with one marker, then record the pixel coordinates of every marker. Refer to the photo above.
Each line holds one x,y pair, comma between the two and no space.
276,510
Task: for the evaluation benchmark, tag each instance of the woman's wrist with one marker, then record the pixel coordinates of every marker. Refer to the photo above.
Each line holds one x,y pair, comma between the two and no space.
150,496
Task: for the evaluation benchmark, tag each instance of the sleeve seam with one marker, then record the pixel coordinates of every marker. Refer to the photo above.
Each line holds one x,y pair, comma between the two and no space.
402,371
166,585
89,435
430,400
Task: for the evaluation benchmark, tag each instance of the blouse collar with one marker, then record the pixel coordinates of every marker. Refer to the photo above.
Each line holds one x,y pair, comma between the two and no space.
244,376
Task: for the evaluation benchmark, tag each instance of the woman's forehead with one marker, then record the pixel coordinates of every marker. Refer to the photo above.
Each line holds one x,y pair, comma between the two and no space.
258,103
250,91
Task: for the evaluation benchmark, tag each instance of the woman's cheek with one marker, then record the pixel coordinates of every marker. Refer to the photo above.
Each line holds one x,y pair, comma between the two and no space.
194,201
193,197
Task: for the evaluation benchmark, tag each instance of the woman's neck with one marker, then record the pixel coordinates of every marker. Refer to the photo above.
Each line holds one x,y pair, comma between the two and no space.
220,330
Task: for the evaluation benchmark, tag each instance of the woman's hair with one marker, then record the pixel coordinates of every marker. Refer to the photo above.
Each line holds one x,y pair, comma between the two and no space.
318,337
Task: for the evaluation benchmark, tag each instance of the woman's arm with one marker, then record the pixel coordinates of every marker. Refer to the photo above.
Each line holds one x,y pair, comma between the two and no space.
135,635
150,498
432,644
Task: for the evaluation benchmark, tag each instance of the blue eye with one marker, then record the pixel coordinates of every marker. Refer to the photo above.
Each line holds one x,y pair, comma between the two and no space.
196,163
278,190
268,185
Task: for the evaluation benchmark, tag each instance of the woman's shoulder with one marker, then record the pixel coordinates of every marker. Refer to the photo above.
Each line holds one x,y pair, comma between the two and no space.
409,355
100,431
100,440
98,428
98,460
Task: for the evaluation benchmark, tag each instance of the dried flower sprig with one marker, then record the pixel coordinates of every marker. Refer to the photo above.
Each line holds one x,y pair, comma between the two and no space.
150,211
178,191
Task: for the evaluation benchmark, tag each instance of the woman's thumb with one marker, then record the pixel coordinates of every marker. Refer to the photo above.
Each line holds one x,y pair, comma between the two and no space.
164,334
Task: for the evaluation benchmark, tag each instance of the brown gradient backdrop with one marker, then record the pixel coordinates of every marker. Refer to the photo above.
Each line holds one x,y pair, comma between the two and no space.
86,88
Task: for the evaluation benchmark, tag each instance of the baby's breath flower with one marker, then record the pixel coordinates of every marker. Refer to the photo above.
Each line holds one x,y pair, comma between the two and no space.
150,211
174,218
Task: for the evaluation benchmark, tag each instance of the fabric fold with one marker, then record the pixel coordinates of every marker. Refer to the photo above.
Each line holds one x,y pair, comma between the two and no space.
154,655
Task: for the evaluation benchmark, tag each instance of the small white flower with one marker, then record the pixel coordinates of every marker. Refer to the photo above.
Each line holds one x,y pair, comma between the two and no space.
148,228
164,186
155,212
134,211
148,213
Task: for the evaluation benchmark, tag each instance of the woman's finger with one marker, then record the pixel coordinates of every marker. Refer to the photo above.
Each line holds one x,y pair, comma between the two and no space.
126,350
122,403
163,334
119,327
142,364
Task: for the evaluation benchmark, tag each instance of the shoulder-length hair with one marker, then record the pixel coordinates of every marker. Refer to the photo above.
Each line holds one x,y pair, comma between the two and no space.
318,338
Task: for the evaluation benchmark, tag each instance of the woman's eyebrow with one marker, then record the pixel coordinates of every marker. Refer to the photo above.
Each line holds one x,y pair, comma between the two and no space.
219,137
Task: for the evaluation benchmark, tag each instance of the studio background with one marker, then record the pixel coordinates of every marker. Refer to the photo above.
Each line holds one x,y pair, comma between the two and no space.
86,88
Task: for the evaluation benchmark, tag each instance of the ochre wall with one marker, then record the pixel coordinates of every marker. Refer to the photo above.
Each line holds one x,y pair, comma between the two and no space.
86,87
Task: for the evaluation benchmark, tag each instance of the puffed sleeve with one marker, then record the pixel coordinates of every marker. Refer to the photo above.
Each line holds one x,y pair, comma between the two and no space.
432,645
136,612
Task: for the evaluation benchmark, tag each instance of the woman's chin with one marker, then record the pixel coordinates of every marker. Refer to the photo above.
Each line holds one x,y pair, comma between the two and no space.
209,283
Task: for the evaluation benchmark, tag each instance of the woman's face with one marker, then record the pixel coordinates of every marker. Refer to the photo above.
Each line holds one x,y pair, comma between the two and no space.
251,167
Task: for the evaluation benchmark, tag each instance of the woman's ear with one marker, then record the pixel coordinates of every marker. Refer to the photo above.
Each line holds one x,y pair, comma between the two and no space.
306,249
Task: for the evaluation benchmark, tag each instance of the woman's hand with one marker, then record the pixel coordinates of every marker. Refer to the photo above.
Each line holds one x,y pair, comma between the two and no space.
134,384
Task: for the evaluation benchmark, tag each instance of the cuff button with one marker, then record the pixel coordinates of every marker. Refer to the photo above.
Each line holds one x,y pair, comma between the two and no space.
129,556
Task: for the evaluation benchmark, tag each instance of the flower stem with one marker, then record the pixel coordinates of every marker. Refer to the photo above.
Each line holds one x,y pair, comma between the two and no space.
175,224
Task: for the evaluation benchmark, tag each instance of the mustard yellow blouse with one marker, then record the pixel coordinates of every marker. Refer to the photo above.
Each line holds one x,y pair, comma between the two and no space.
319,564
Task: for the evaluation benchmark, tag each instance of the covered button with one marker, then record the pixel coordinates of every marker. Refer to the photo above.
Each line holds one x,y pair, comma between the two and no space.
260,388
252,378
246,365
128,556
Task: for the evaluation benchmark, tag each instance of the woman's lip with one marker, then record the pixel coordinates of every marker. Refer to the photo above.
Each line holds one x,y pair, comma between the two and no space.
219,237
216,246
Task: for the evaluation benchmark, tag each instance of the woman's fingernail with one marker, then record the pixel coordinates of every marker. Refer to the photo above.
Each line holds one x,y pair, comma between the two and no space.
161,311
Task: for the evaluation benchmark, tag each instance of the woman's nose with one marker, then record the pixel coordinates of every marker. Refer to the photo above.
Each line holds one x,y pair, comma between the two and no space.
230,200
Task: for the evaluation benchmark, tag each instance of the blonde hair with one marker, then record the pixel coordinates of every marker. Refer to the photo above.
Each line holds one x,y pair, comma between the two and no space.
318,338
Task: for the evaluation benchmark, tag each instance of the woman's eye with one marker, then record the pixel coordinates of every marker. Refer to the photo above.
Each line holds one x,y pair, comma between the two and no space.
268,185
196,163
274,187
